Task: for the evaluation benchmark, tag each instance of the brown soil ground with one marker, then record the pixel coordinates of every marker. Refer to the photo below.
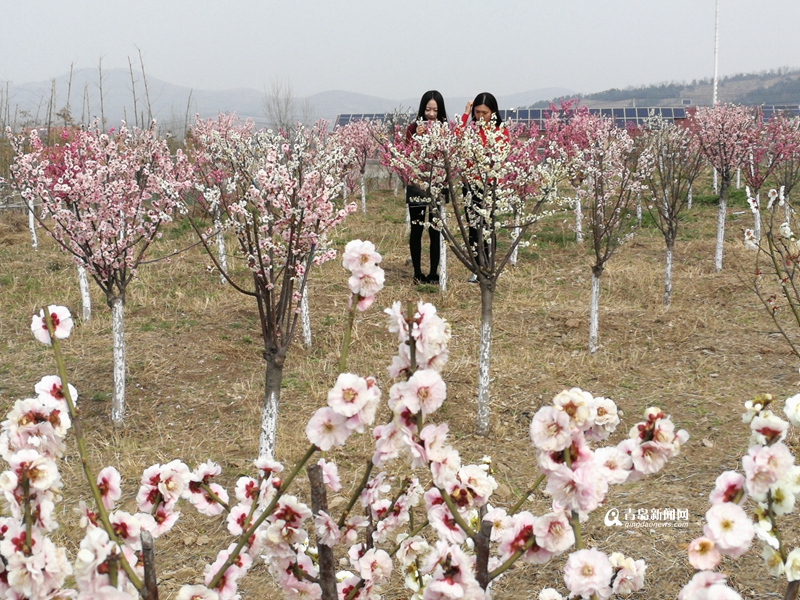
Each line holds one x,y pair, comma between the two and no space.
195,375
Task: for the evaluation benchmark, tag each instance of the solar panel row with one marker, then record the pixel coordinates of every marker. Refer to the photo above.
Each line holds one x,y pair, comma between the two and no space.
621,116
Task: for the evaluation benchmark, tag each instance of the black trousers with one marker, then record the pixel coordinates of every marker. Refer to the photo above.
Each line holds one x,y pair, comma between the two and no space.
420,214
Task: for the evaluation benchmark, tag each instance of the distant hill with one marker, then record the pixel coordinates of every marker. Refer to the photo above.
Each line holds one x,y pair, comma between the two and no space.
173,106
780,86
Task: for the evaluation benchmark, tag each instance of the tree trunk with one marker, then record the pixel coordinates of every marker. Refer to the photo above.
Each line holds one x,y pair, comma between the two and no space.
32,224
269,409
118,328
305,319
86,299
363,196
482,550
638,210
715,182
739,179
578,221
485,351
668,273
396,185
221,254
408,220
689,199
513,260
792,589
594,311
443,252
327,566
757,219
150,589
721,215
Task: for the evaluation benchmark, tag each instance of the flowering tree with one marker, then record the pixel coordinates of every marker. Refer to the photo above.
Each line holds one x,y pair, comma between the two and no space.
767,144
676,163
785,128
771,480
774,277
494,188
276,192
565,134
722,133
361,137
472,544
612,176
104,197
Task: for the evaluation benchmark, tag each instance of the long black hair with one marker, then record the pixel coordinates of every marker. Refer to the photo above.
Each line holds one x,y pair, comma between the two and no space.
489,102
441,113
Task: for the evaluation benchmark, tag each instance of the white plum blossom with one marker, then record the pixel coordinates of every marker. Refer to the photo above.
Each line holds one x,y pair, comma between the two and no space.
588,572
62,324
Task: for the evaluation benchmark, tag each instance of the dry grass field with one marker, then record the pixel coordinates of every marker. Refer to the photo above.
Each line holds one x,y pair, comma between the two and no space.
195,375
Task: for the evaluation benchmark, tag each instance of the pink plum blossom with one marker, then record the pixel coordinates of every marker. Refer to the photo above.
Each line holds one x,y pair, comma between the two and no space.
326,529
327,429
62,324
51,386
424,391
196,592
109,484
550,429
729,527
628,574
330,475
358,254
588,572
703,554
728,485
554,532
349,394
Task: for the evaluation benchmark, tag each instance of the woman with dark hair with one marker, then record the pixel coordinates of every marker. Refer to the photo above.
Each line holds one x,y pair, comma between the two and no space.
484,112
431,108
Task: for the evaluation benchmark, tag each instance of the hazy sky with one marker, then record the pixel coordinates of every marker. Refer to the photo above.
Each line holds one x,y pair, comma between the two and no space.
399,49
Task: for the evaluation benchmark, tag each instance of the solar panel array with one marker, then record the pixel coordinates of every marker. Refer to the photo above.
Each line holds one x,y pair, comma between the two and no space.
621,116
343,120
768,111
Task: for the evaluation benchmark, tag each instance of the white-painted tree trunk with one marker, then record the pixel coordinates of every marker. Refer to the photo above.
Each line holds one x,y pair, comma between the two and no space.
408,220
344,190
396,185
721,215
269,411
689,200
578,221
86,299
668,276
715,182
739,179
757,219
118,330
363,196
222,256
32,225
638,210
484,356
513,259
305,319
443,253
594,314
